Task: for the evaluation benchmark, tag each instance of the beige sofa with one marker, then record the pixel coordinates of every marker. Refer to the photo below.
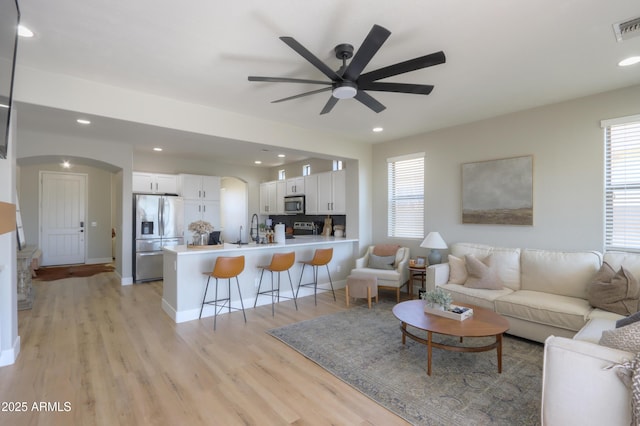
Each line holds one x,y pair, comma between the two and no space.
394,278
545,299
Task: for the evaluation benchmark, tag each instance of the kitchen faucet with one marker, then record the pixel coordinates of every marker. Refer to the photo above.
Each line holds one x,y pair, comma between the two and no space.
240,237
256,236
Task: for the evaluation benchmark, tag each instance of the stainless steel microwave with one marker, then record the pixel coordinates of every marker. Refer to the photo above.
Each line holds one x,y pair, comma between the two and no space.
294,204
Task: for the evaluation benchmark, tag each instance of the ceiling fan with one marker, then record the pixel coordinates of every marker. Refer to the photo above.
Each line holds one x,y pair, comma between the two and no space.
348,81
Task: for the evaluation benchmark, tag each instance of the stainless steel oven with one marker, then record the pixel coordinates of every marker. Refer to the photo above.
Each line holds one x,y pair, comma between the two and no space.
294,204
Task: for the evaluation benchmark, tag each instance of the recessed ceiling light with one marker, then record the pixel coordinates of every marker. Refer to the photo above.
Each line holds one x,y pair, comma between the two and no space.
258,162
377,129
281,155
66,165
157,149
83,121
632,60
24,31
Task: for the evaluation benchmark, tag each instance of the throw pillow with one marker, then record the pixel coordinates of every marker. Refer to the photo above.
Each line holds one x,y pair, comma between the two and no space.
480,274
625,338
457,270
381,262
628,320
617,292
385,249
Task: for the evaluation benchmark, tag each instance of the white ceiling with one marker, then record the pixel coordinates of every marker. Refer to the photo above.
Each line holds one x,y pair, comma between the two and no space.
502,56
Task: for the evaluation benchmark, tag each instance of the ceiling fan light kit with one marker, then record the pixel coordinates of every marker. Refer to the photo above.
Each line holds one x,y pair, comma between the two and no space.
348,81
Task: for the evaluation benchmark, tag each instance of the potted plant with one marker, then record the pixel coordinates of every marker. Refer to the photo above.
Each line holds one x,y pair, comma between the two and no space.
438,298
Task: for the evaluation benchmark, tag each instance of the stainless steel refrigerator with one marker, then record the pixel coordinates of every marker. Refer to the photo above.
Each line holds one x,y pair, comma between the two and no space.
158,222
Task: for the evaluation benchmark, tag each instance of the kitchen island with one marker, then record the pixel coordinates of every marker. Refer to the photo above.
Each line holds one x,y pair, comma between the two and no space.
185,268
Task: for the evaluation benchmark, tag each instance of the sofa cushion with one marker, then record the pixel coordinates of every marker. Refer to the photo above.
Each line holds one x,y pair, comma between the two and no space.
545,308
615,292
481,274
457,270
505,261
381,262
558,272
476,296
626,338
592,331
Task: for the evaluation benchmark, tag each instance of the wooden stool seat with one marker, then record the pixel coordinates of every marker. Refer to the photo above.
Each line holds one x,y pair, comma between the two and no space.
362,287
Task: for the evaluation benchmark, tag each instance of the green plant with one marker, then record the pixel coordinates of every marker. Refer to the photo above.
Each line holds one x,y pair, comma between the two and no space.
438,297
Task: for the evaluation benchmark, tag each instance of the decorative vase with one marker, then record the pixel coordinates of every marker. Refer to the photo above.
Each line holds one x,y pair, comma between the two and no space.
200,239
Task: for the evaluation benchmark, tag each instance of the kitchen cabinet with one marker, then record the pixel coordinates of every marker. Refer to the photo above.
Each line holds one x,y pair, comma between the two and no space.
154,183
311,194
331,193
295,186
196,187
207,210
272,197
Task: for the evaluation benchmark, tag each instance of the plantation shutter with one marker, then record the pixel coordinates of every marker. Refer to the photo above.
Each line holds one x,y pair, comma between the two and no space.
622,184
405,178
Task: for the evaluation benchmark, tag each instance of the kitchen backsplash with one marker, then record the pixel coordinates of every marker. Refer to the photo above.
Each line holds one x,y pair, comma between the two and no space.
318,220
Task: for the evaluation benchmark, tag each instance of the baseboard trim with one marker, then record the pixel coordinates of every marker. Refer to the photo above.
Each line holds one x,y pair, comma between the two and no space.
9,356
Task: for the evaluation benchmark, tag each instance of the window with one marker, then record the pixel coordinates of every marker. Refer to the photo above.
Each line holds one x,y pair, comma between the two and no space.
337,165
281,175
306,170
405,179
622,183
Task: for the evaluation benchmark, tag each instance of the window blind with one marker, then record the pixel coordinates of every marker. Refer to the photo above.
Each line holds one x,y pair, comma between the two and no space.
405,180
622,186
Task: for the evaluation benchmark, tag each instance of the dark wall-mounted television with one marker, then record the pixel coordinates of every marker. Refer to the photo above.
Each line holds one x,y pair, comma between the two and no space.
9,20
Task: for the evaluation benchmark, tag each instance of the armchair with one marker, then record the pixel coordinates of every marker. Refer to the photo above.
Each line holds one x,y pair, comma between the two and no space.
393,278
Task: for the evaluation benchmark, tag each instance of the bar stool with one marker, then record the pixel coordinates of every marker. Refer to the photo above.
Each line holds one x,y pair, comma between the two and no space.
321,257
225,268
280,262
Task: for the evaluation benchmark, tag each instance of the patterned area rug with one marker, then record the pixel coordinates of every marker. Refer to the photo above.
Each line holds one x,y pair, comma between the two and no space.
363,348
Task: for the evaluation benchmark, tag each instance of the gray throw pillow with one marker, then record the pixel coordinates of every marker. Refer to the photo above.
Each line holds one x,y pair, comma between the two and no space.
628,320
381,262
480,274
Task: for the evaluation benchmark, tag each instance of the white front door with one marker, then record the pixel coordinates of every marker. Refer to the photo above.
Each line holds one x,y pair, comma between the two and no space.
62,218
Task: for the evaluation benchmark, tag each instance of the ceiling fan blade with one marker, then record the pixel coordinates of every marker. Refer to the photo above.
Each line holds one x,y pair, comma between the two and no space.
286,80
371,44
302,51
403,67
417,89
369,101
313,92
329,105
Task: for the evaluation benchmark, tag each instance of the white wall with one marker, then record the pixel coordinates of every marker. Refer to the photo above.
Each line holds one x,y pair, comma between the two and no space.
566,142
9,339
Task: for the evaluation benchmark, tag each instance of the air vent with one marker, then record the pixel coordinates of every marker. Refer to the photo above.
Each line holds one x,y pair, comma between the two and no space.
626,30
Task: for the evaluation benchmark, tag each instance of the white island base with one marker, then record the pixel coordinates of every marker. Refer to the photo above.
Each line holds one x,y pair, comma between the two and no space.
184,268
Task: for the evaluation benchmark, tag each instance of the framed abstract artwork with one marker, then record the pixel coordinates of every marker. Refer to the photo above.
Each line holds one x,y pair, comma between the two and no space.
498,192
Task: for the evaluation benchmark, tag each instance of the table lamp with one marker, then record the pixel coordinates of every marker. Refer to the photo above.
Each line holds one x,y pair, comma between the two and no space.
435,242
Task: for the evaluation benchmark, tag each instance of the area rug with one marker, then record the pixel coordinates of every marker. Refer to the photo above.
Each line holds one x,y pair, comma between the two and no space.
364,348
51,273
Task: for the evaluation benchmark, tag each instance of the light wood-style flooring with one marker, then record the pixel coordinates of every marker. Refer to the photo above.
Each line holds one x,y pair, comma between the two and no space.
99,353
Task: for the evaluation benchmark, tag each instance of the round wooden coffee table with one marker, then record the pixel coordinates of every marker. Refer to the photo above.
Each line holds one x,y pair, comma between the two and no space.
483,323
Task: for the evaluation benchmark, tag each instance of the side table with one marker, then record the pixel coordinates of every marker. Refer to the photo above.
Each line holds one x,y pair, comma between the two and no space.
417,273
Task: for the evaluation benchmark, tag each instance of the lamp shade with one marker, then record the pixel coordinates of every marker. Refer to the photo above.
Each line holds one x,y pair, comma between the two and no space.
433,241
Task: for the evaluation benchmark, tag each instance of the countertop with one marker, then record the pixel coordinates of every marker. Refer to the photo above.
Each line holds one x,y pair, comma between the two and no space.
300,240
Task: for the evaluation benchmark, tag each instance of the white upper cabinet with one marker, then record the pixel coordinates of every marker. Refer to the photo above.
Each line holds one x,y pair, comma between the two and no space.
332,193
295,186
311,194
154,183
196,187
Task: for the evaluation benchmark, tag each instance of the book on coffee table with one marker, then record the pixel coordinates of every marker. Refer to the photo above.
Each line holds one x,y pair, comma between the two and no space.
455,312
